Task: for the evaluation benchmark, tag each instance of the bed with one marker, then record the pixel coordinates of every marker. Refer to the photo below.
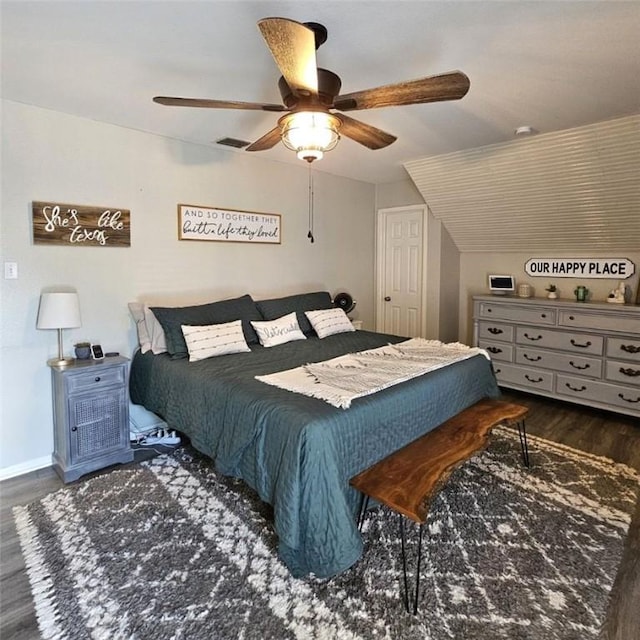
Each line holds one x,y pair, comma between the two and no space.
297,452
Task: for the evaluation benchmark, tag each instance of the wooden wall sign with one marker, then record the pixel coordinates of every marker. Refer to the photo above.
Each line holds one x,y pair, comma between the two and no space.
605,268
80,226
227,225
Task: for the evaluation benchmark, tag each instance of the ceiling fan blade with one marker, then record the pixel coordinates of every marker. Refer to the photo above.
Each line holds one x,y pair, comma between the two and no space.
217,104
267,141
365,134
446,86
293,47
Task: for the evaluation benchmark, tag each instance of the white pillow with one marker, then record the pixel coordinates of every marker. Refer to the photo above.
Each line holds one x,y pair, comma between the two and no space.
326,322
284,329
156,332
137,313
205,341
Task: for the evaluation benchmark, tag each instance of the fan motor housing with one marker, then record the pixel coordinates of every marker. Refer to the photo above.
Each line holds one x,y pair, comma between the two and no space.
329,85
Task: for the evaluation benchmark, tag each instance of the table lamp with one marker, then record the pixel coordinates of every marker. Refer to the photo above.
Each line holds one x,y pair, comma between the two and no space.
59,310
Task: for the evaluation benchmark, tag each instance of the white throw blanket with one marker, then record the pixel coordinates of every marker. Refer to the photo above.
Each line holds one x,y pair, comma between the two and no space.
340,380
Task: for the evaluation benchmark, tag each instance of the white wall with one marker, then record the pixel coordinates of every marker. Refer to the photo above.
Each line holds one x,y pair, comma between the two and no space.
56,157
474,268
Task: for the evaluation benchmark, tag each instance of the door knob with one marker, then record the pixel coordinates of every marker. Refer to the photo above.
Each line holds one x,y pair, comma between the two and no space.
387,299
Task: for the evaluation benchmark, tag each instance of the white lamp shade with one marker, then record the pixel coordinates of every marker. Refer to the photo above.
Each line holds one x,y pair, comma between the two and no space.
59,310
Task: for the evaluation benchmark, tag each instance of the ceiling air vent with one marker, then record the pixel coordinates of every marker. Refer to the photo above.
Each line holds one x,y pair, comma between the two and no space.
233,142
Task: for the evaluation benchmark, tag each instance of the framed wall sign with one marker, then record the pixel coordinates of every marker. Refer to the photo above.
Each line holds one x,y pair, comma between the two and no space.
609,268
78,225
227,225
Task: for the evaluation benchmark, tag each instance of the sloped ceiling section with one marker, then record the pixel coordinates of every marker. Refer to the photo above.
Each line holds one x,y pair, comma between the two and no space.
577,189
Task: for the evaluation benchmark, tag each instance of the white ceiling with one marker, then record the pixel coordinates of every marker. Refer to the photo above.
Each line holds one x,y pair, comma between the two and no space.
551,65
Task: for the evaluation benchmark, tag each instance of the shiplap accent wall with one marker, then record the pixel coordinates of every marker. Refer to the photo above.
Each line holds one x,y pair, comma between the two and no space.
565,191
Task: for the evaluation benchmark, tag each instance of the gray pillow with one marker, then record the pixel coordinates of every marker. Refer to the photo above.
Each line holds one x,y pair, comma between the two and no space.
172,319
301,302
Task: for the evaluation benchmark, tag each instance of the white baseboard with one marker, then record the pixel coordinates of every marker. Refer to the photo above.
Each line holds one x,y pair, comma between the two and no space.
25,467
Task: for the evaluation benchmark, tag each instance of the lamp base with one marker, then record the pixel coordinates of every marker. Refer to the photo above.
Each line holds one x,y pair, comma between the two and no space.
60,362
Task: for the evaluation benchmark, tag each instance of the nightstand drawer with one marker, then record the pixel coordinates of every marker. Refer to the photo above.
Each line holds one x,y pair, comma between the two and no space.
96,378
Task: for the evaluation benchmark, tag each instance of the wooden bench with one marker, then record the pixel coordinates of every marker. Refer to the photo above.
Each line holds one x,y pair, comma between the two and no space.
406,481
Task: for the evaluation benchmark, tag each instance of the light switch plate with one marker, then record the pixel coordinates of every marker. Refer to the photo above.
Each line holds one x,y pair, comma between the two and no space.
10,270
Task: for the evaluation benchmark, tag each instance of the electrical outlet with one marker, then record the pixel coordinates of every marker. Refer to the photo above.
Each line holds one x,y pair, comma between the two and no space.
10,270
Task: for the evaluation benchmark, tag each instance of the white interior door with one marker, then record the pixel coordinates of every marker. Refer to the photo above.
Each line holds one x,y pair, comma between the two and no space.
400,257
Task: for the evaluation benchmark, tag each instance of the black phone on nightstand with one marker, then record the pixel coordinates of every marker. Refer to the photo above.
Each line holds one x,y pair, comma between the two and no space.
96,352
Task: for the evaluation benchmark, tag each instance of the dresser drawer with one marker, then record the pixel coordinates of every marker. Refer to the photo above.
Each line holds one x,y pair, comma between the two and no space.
624,348
95,379
518,314
569,363
584,320
497,350
590,391
578,342
534,379
495,331
625,372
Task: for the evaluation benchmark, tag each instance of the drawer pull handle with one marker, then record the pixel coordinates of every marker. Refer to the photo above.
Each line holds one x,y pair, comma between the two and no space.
543,315
528,337
620,395
74,428
630,372
577,366
494,349
571,318
534,359
97,379
497,371
582,388
582,346
532,380
630,348
495,331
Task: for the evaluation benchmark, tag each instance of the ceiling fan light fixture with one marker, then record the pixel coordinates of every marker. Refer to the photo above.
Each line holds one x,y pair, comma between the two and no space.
310,133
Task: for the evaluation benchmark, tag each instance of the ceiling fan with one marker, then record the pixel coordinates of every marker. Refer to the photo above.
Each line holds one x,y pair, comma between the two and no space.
311,95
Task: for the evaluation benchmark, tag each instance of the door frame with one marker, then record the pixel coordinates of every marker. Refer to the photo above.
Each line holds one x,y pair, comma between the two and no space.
380,252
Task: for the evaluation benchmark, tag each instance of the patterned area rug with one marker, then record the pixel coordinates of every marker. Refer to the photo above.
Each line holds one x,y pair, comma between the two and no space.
169,549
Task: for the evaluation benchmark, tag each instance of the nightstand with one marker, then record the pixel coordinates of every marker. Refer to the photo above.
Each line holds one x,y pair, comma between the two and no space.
90,415
357,324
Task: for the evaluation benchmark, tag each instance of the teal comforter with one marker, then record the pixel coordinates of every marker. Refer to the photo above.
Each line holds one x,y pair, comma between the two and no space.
297,452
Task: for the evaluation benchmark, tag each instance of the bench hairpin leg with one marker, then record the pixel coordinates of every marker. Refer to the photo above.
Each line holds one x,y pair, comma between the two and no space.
362,512
404,563
522,433
415,597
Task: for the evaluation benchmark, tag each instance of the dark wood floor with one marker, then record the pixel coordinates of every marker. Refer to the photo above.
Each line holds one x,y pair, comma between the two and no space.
596,432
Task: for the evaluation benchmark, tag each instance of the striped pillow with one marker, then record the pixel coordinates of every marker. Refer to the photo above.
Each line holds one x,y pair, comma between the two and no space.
326,322
206,341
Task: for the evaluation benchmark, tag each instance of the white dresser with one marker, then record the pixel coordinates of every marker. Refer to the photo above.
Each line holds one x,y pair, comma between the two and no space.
583,352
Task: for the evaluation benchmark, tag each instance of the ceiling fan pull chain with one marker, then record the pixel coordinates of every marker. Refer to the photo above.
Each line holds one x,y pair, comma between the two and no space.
310,234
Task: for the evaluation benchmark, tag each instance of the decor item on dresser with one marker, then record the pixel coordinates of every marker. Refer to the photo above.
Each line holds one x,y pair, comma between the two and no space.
552,292
582,352
618,295
581,293
59,310
524,290
287,445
